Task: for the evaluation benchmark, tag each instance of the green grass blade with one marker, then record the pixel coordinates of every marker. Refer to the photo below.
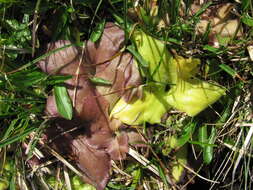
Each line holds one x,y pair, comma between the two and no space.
248,20
136,179
16,137
27,78
208,150
202,9
97,32
228,70
100,81
163,176
202,144
211,49
63,102
202,135
186,134
53,80
143,62
10,128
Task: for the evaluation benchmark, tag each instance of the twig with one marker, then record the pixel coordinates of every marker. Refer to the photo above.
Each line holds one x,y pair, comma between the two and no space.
143,161
58,171
190,180
44,185
66,177
145,186
3,52
35,17
240,59
147,163
243,149
21,182
195,173
64,161
233,148
222,170
19,50
119,170
42,167
233,111
77,75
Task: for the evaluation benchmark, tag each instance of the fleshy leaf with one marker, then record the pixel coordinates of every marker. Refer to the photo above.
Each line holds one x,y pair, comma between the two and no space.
75,146
190,95
194,96
148,109
182,69
124,76
94,136
187,95
155,53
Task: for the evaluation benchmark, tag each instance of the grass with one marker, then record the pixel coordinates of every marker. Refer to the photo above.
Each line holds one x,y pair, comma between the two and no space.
219,139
